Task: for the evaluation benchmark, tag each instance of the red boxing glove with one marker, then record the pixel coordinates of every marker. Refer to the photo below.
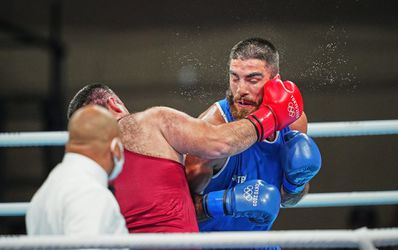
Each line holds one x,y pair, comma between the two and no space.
282,105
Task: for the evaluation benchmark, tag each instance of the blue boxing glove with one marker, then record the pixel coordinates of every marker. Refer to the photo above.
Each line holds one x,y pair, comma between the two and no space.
301,161
254,199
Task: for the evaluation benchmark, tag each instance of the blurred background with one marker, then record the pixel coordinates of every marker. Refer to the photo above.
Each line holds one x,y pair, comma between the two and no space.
343,54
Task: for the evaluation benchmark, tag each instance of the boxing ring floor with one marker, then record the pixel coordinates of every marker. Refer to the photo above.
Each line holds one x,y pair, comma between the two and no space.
362,238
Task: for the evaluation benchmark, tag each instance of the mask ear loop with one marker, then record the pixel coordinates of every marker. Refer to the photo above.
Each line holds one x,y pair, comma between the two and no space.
117,141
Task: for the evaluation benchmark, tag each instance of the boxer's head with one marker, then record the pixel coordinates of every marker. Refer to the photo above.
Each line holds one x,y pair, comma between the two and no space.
101,95
252,63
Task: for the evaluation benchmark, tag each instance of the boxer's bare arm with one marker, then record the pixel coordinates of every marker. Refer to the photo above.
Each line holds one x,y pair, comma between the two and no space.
195,136
168,133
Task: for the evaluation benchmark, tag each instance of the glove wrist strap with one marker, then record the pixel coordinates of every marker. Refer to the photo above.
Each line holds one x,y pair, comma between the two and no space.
263,121
213,203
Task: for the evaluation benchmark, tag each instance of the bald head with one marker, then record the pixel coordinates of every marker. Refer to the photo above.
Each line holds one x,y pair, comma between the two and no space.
92,129
92,124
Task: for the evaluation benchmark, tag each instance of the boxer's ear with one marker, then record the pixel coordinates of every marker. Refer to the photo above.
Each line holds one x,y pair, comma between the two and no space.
113,105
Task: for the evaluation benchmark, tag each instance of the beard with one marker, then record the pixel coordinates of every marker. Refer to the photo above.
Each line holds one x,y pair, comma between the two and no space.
239,113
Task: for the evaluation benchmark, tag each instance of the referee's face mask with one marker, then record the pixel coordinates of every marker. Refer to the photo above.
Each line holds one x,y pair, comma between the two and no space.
117,163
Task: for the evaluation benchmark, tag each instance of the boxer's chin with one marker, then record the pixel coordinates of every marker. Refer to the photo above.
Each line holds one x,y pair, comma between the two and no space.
239,112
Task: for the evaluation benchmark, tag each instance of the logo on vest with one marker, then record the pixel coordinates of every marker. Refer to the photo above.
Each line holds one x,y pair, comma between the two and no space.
239,178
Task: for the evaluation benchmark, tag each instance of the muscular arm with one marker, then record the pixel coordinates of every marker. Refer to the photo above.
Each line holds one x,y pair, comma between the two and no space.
289,200
194,136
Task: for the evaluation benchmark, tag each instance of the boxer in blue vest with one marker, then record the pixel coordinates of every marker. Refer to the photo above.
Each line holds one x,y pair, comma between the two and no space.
245,191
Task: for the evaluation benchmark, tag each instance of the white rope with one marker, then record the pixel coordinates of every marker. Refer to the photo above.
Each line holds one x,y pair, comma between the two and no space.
14,208
353,128
25,139
349,199
310,200
285,239
320,129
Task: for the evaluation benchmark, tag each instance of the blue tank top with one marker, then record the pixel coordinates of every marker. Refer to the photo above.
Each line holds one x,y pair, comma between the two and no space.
260,161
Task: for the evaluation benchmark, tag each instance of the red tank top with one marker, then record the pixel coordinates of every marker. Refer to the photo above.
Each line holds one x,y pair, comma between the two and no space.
154,196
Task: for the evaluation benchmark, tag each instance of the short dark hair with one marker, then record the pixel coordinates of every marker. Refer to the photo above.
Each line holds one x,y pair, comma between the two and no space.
257,48
96,93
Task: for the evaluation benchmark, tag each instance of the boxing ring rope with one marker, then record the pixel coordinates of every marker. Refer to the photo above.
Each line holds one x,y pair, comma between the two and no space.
353,128
311,200
363,238
34,139
317,129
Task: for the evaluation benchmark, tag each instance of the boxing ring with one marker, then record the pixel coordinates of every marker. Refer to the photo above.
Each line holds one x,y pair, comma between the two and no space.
362,238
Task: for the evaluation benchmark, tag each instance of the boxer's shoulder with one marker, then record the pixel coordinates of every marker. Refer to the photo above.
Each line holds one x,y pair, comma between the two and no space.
141,133
212,115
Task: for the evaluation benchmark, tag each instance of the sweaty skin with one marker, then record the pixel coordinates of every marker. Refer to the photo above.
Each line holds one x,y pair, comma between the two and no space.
168,133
